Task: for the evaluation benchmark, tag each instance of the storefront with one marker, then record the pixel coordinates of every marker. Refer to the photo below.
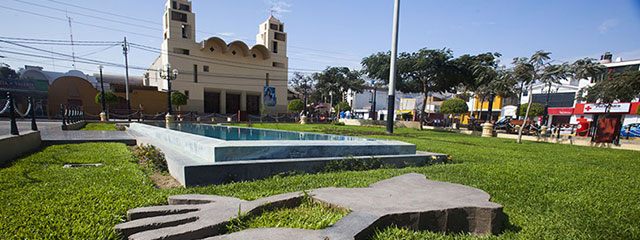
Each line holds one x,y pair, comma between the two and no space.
560,116
590,111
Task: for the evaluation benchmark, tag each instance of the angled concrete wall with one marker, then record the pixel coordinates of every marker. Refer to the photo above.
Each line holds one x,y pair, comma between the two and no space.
12,147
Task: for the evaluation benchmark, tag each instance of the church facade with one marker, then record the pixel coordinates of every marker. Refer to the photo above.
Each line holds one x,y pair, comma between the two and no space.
221,77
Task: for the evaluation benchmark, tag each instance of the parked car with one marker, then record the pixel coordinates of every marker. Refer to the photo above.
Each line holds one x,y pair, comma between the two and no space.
631,130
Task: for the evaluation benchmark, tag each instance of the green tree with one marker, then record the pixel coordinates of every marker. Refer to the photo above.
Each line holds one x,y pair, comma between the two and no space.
295,105
304,85
336,81
553,74
8,73
454,106
586,68
426,71
377,67
487,72
537,110
179,99
111,98
342,106
538,61
621,86
522,72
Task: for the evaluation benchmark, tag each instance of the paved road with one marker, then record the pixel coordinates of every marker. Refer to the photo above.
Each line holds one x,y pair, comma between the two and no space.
25,125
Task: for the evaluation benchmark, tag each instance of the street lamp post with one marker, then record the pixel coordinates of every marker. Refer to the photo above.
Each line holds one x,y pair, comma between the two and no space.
103,114
169,76
392,69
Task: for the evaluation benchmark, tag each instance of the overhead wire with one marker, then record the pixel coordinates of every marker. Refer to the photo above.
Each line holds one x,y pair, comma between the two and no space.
243,38
90,61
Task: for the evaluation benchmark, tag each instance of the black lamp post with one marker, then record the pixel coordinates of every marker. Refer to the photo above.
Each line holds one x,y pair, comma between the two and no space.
104,108
169,76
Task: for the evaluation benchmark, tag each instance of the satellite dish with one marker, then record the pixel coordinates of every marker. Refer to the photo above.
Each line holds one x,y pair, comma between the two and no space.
619,59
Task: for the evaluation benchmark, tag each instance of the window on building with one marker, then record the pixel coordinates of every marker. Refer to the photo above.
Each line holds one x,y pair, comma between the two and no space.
280,36
186,30
195,73
281,28
267,79
174,4
274,26
184,7
278,64
177,16
275,47
186,92
181,51
205,68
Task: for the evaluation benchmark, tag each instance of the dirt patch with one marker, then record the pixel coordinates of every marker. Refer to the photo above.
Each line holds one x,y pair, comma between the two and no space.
164,180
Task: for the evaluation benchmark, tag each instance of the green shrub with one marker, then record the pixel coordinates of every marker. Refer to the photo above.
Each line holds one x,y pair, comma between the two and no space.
342,107
350,163
296,105
151,157
337,123
454,106
111,97
537,109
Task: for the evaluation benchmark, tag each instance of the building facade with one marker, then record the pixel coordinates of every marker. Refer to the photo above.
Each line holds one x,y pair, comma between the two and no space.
221,77
564,108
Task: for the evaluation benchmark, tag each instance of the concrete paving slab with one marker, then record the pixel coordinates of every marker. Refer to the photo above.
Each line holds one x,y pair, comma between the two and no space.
52,133
409,200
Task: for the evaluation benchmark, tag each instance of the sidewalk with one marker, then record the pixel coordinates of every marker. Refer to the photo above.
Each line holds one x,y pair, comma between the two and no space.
52,133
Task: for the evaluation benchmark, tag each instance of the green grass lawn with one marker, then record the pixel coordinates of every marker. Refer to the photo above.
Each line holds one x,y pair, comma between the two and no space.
100,127
547,190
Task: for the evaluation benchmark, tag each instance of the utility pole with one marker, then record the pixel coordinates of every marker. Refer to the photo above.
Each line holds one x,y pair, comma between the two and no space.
125,51
73,51
392,73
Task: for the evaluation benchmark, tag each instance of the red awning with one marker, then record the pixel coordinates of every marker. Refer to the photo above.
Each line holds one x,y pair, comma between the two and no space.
561,111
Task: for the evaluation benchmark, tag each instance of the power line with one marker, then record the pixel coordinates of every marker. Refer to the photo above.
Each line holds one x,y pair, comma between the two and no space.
86,15
215,61
154,23
81,23
93,62
103,12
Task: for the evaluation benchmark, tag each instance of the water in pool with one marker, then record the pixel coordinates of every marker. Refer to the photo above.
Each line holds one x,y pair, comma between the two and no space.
250,134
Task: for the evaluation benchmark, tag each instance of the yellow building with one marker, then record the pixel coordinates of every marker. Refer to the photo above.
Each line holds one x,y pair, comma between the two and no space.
480,109
221,77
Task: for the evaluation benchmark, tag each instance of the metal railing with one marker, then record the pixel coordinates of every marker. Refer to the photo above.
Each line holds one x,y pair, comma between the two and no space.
11,108
71,114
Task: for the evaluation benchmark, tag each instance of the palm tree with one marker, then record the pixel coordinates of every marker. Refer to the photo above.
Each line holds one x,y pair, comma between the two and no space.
538,61
552,75
522,73
586,68
487,71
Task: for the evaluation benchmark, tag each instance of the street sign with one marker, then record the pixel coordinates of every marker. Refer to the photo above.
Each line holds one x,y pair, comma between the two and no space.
602,108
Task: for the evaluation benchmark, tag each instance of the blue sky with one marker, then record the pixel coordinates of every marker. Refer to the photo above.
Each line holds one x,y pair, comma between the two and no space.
332,32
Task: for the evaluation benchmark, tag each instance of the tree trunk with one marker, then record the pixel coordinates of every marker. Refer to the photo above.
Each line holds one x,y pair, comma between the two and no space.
546,107
490,108
526,115
519,101
480,109
424,104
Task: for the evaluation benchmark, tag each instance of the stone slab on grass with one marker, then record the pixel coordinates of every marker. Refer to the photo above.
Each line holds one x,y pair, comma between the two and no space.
409,200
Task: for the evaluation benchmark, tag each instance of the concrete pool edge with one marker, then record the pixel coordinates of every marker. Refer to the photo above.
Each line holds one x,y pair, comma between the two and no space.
192,169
